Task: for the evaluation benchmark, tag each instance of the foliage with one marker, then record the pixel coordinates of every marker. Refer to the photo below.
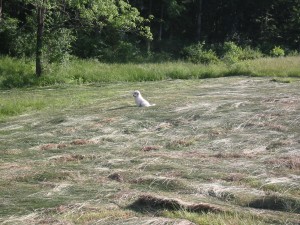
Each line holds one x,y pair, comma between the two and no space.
277,51
66,21
60,42
197,54
8,31
231,53
123,52
16,73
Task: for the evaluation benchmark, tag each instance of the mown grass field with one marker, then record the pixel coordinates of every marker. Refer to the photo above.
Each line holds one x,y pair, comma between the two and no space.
212,151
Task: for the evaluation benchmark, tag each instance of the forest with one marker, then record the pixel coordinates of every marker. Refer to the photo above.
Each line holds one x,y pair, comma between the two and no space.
200,31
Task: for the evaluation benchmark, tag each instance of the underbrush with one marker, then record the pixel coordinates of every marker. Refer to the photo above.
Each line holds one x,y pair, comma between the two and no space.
16,73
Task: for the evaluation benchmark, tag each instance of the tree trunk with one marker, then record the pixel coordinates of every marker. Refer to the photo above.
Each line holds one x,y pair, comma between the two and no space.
161,22
0,10
199,20
148,41
39,39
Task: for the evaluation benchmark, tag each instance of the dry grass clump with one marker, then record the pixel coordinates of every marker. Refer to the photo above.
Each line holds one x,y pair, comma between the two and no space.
234,177
161,183
81,142
49,146
180,143
290,162
228,155
53,146
151,148
116,176
67,158
150,203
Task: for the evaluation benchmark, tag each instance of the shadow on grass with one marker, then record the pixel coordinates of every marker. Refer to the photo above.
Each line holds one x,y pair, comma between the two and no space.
153,204
122,107
274,202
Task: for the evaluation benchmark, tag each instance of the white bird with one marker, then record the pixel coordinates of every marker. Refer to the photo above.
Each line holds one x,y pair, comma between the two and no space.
140,101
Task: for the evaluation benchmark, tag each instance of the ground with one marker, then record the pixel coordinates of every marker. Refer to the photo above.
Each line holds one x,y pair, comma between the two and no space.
229,144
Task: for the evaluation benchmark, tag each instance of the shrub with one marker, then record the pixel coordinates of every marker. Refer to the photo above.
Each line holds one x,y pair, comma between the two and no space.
231,53
16,73
197,54
19,80
292,53
60,42
250,53
277,51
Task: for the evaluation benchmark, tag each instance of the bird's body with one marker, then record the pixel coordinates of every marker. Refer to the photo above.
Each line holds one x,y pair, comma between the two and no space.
140,101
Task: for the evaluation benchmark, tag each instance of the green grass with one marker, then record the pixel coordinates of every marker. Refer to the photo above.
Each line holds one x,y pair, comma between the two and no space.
82,154
217,219
271,67
20,73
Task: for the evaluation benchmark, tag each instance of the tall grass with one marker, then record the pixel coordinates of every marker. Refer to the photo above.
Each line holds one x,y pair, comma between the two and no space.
276,67
20,73
88,71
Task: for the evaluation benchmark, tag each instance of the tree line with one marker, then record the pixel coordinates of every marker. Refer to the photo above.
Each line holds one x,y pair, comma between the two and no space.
130,30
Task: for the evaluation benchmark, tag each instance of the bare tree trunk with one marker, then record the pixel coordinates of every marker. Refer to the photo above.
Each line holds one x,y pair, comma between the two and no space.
148,41
0,10
161,22
199,20
39,39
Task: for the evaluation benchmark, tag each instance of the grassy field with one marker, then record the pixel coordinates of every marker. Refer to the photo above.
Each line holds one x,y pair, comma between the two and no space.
212,151
20,73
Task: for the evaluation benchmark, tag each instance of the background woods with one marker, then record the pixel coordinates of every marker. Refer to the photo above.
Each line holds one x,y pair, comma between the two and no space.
139,30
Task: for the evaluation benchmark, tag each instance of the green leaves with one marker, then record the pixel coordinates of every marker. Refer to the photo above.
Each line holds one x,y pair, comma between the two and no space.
118,15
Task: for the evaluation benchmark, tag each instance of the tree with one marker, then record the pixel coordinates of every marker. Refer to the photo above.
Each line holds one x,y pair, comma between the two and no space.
57,23
41,11
0,11
108,28
199,20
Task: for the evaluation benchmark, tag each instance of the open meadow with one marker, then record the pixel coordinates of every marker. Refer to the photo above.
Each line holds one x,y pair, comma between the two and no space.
212,151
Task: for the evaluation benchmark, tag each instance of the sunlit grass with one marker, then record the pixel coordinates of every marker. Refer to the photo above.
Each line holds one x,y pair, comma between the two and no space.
216,219
272,67
20,73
